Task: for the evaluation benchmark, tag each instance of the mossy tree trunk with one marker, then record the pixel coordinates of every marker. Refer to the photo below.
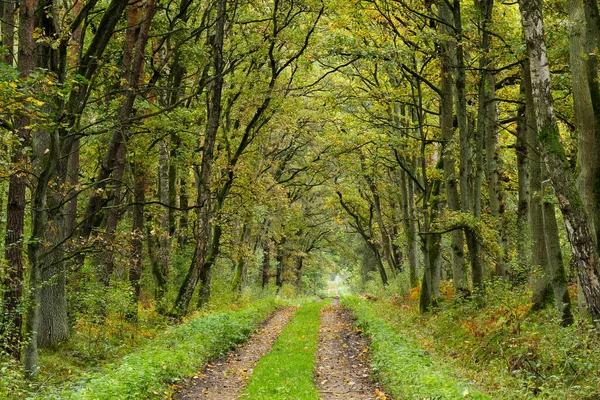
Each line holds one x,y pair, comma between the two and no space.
585,256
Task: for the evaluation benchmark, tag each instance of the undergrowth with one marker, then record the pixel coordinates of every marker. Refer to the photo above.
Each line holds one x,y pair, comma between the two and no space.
149,371
286,372
405,368
511,352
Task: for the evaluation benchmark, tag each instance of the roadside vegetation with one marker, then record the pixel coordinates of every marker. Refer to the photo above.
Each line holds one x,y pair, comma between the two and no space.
403,365
503,348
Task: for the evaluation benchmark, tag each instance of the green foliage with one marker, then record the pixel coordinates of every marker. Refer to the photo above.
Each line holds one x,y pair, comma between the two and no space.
287,371
406,368
172,356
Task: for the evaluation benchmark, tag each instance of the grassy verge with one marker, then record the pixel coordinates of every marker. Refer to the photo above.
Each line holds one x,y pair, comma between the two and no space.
402,364
286,372
180,351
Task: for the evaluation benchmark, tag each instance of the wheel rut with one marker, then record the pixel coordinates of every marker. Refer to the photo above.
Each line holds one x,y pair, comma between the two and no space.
342,364
226,377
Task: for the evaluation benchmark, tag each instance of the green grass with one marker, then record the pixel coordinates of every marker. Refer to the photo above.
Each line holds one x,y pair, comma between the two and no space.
172,356
403,366
286,372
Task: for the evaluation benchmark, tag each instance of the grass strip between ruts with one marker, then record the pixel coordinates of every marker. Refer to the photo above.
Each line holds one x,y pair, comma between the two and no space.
401,364
180,351
286,372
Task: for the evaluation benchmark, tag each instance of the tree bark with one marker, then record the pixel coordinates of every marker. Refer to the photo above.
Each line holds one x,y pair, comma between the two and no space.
585,256
11,321
8,30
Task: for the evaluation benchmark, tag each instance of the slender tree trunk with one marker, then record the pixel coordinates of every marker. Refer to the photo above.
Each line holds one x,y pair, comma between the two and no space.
198,269
183,204
15,212
112,218
585,256
8,30
299,265
266,265
467,183
410,230
385,236
459,273
137,233
164,193
280,258
556,273
242,258
523,168
487,133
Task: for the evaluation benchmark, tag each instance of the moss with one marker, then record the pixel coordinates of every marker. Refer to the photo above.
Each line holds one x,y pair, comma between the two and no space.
549,137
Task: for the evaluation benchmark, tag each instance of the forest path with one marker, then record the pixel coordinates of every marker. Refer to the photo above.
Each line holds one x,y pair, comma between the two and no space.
226,377
342,365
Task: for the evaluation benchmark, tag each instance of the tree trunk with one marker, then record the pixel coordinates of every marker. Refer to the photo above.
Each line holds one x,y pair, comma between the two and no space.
523,168
556,272
242,258
266,264
459,273
137,233
198,267
409,229
164,237
15,212
8,30
386,242
584,39
183,204
487,133
585,256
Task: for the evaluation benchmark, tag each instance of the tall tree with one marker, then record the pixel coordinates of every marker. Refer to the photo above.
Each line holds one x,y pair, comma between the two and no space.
585,256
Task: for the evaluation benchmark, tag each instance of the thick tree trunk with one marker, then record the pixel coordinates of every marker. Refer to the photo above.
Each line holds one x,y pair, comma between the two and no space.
542,293
584,38
585,256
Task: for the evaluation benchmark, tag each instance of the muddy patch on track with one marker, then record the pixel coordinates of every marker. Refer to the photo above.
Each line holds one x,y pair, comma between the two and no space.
226,377
343,370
